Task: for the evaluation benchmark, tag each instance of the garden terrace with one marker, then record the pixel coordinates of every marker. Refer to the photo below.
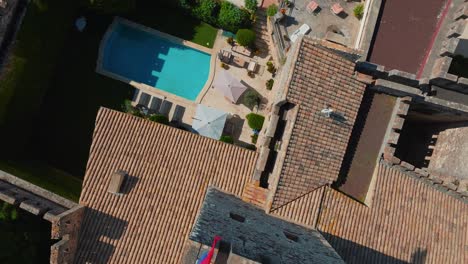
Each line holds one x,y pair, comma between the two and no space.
323,23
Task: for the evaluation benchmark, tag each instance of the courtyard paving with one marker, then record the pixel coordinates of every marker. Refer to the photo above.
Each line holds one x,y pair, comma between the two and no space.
323,20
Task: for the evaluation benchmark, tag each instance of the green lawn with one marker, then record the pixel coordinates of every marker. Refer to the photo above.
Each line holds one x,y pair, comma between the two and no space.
176,23
46,177
51,93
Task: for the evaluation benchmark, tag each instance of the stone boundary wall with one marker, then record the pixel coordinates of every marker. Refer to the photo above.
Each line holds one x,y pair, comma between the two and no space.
396,127
451,185
36,190
440,75
64,215
379,72
66,227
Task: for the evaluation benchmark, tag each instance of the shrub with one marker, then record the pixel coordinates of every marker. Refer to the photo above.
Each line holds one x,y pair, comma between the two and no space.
271,67
254,138
226,139
251,99
359,11
251,5
206,11
159,119
272,10
232,18
269,84
251,147
255,121
128,108
245,37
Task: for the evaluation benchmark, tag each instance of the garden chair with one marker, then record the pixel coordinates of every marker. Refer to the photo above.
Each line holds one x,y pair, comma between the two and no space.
312,7
144,99
155,105
337,9
165,108
178,114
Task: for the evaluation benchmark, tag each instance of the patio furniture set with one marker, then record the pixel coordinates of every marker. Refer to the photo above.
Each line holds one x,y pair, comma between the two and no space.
227,57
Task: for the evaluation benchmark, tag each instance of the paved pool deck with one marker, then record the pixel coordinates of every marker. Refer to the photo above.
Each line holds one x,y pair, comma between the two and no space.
404,33
208,95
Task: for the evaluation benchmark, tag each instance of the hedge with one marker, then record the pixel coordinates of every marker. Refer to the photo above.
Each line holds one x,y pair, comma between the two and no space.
226,139
159,119
255,121
232,18
245,37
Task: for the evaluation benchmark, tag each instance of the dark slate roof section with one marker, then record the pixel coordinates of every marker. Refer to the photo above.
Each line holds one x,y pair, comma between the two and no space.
256,235
321,77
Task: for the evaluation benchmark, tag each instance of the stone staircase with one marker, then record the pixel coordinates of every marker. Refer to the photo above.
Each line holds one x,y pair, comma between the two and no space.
261,30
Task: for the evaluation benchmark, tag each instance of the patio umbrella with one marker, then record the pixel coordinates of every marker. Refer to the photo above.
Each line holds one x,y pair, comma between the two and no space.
229,86
209,122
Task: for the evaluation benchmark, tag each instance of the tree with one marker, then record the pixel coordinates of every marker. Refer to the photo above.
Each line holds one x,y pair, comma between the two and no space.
113,6
207,11
251,99
232,18
272,10
245,37
251,5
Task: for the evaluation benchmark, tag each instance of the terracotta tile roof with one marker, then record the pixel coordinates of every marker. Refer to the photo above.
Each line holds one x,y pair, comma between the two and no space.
409,221
168,173
303,210
320,77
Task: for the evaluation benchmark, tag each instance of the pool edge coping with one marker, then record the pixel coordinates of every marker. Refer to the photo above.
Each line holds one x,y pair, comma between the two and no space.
177,40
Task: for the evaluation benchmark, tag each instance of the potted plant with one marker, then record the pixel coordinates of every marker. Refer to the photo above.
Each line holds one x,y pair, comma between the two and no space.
287,3
230,41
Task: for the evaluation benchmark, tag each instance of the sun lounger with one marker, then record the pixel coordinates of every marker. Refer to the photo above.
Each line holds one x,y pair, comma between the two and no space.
312,7
165,108
304,29
155,105
135,95
144,99
337,9
178,114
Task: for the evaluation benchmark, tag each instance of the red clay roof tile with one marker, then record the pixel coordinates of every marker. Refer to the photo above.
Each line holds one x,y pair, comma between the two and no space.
169,171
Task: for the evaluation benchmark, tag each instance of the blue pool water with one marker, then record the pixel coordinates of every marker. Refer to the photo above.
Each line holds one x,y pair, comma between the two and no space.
146,58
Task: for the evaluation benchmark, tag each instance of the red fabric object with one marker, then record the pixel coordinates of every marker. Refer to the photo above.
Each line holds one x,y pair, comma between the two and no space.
208,258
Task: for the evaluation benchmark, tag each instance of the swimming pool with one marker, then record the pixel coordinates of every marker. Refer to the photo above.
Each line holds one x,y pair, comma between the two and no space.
148,58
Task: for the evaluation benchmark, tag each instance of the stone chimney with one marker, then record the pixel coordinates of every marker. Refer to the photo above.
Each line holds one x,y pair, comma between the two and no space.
117,179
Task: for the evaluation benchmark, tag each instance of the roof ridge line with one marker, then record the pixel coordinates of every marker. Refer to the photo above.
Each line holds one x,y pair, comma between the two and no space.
299,197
